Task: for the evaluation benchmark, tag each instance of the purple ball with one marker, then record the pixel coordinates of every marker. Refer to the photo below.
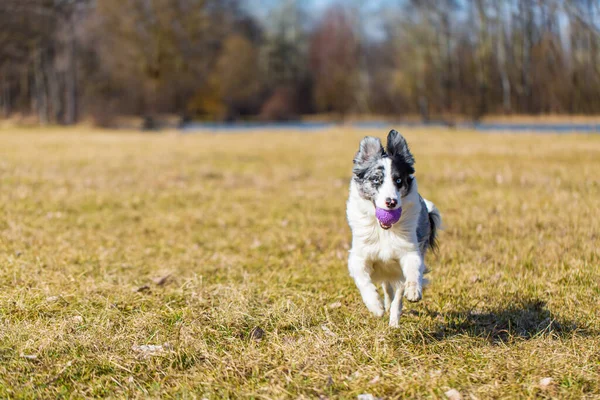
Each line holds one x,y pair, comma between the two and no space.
388,217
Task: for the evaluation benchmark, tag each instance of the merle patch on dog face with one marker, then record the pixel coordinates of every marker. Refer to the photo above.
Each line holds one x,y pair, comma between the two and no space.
402,161
368,169
370,165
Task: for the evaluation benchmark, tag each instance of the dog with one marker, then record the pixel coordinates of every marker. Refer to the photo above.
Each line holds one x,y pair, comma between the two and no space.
388,254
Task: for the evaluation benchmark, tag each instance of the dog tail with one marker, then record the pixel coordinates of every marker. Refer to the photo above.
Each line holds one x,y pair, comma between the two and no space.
435,223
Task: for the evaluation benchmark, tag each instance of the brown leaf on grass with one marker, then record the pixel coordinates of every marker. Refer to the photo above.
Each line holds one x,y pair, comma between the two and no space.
329,381
367,396
143,288
354,375
149,350
435,373
337,304
453,394
161,280
57,299
257,333
546,383
328,331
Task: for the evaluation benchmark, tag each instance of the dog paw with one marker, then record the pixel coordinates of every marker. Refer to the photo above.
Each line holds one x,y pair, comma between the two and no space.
376,309
412,291
394,323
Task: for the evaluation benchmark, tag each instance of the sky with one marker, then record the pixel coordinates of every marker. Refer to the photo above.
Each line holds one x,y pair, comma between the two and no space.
261,8
316,8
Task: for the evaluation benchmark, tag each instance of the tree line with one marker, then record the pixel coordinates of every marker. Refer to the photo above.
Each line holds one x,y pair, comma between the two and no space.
67,60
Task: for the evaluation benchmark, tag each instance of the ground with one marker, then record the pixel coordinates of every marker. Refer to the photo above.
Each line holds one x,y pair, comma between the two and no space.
230,250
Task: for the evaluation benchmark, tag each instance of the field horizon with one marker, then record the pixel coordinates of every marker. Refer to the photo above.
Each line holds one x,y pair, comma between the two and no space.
140,265
172,122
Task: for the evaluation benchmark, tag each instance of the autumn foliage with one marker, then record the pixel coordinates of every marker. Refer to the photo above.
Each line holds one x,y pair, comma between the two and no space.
62,61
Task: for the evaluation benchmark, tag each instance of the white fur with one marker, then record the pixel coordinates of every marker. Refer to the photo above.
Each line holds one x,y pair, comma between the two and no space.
388,189
389,257
435,214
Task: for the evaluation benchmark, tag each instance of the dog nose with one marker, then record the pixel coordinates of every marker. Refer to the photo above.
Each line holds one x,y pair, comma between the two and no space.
391,203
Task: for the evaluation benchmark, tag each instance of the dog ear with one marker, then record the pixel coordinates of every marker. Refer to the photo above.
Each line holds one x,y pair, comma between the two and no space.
369,148
397,146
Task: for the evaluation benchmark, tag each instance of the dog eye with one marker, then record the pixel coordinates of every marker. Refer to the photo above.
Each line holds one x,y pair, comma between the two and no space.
376,181
398,181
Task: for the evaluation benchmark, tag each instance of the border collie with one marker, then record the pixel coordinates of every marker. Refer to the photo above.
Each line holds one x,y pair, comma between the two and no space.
390,254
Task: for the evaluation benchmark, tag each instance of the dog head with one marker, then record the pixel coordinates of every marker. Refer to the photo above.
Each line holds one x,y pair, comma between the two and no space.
384,176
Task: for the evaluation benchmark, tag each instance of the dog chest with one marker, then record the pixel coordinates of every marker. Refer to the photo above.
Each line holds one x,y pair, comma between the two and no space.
385,247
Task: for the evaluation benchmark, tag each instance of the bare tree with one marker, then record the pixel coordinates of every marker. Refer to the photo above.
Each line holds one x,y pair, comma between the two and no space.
63,60
334,61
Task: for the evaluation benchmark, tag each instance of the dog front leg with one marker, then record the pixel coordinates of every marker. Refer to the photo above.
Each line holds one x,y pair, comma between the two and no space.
359,270
396,306
413,268
388,294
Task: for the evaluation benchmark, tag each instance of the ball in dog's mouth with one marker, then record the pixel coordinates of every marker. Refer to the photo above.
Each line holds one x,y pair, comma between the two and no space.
386,217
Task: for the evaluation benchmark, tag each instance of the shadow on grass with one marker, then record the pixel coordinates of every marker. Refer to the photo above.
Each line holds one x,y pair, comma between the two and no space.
523,320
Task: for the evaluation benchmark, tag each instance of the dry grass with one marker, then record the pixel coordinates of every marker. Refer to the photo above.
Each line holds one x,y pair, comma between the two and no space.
543,119
251,229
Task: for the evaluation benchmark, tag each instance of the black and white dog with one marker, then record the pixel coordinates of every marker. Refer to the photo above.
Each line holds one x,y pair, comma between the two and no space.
388,254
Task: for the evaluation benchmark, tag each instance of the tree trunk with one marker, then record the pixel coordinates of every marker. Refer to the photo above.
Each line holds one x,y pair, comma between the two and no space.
482,60
502,67
41,94
55,90
5,95
71,76
526,13
449,72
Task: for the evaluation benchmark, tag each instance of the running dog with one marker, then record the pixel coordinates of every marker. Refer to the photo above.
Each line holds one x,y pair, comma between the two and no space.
390,254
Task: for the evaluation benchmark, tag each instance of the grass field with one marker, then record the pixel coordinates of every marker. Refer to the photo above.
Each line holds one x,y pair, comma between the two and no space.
229,251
